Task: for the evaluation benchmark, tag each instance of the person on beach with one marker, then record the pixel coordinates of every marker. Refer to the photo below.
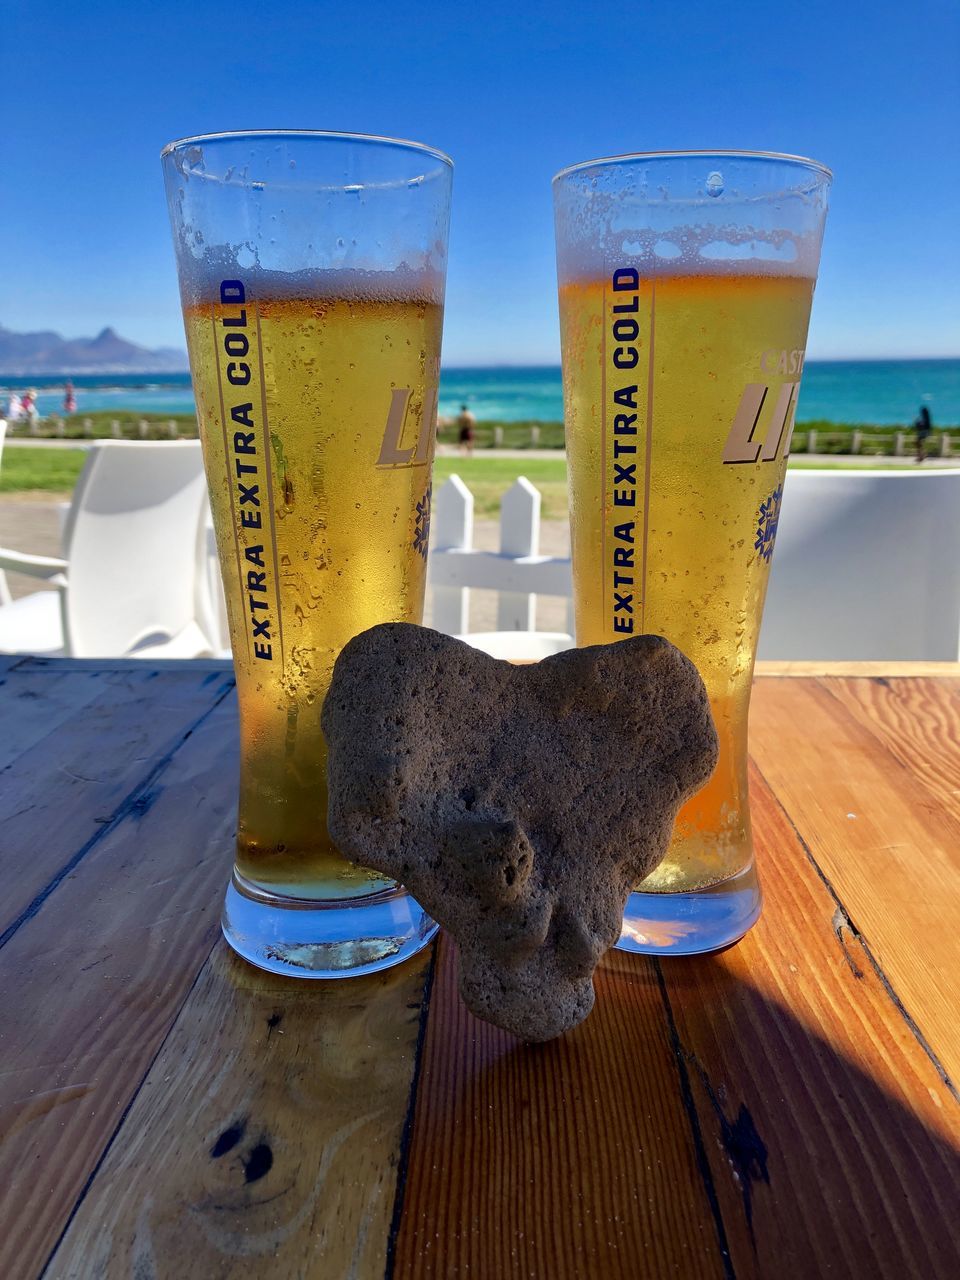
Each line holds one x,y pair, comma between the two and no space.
467,424
14,408
69,399
923,426
28,402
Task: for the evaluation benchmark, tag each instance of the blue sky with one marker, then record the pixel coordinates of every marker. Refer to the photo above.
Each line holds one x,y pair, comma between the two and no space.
513,92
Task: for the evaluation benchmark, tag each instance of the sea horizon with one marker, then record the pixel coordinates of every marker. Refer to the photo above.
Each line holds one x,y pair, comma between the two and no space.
870,391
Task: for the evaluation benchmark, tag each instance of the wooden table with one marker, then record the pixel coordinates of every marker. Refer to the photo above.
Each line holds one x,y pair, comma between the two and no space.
785,1108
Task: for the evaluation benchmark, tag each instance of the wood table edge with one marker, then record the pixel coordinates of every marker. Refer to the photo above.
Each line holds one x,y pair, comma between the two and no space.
865,670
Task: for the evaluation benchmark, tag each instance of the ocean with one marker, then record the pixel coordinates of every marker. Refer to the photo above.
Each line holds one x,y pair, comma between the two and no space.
885,393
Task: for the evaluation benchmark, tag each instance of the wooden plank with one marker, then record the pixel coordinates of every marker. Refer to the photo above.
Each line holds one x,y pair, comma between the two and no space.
899,670
833,1141
556,1161
62,794
887,845
195,665
91,983
33,706
266,1139
918,722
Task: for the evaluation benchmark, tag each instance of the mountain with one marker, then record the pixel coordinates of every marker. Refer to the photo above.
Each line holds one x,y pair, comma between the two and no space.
46,352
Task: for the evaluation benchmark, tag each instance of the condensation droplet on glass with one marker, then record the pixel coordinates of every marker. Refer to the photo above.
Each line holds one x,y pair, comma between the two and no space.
714,183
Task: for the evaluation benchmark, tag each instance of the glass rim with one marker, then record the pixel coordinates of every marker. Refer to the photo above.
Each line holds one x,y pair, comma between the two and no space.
799,162
400,144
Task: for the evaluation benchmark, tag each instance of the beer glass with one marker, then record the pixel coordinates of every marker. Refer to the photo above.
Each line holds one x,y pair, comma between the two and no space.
685,284
312,270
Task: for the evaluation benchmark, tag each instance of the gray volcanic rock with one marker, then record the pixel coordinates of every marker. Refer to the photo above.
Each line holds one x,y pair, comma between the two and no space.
519,804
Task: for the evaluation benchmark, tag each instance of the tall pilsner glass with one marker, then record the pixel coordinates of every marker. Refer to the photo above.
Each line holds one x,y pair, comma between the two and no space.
312,269
685,288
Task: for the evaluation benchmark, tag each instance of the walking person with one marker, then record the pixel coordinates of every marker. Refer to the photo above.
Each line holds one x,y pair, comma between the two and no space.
467,424
923,426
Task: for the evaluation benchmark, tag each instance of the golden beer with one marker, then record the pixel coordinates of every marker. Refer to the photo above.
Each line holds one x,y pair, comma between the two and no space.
319,475
680,394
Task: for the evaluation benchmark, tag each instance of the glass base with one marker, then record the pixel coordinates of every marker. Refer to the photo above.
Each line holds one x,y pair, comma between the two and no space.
340,939
685,924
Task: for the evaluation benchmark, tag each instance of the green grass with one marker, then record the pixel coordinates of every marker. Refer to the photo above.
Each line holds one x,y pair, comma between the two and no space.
55,471
832,437
844,464
489,478
507,435
51,470
101,426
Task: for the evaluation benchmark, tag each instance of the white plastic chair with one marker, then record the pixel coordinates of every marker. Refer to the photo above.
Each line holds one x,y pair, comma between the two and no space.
219,624
866,566
132,581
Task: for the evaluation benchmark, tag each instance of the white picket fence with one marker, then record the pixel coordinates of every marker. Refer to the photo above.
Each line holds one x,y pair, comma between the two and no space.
867,567
517,572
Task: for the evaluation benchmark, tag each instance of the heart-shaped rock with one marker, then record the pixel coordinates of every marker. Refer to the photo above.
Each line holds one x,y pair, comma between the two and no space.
519,804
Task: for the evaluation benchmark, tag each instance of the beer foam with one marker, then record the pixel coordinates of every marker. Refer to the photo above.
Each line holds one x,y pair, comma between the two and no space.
666,215
688,250
201,276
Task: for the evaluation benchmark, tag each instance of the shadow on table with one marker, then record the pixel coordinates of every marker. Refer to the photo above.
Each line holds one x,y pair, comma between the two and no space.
691,1117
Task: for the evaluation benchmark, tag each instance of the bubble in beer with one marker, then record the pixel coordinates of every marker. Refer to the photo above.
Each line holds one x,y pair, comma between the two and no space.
714,183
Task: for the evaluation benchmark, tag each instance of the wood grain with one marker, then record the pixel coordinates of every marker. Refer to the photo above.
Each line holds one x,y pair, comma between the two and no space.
570,1159
271,1125
918,722
90,746
860,670
833,1141
782,1108
91,983
36,703
885,842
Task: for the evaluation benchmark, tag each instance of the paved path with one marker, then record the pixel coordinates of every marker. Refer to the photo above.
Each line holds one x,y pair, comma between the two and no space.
29,525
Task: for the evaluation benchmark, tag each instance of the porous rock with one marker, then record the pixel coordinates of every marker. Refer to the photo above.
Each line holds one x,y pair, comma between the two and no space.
519,804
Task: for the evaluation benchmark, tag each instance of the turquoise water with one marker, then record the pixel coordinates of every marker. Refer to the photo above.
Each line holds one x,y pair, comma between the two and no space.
880,392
